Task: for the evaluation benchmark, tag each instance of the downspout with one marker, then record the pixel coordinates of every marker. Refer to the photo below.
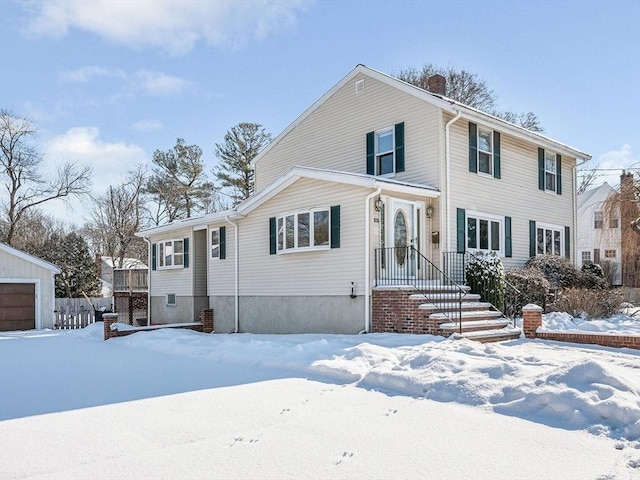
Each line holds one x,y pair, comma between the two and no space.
367,259
149,270
237,279
447,201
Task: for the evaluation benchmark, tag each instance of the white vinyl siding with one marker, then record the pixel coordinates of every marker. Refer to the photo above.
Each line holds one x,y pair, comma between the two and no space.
517,196
172,280
324,272
221,273
346,118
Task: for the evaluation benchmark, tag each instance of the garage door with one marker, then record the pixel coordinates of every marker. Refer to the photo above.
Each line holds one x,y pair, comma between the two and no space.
17,306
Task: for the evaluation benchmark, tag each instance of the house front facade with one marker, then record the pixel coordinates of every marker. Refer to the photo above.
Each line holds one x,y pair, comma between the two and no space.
599,232
374,176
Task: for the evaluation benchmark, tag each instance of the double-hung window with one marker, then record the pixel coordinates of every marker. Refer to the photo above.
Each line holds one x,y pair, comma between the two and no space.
171,254
597,220
305,230
484,150
549,171
586,256
484,232
385,151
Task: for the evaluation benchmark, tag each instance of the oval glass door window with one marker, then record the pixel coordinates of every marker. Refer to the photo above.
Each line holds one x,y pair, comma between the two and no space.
400,235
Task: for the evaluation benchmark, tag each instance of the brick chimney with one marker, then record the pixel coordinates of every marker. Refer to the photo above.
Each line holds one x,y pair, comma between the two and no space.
436,84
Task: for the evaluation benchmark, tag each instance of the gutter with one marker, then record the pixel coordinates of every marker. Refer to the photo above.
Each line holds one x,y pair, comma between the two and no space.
236,276
447,161
367,259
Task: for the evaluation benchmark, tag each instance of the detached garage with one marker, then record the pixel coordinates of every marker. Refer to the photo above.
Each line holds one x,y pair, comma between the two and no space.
27,290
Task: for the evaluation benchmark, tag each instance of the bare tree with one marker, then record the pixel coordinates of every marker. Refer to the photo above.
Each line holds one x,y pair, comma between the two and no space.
241,144
34,231
467,88
20,172
179,185
586,178
115,218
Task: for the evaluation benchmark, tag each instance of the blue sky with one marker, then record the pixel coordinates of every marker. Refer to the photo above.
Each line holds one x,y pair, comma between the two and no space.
108,82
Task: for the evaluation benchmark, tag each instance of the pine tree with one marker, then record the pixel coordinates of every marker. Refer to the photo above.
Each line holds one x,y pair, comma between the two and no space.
71,254
241,145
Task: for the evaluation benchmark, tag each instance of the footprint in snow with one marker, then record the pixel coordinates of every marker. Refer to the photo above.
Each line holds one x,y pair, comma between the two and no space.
391,411
344,456
241,440
284,410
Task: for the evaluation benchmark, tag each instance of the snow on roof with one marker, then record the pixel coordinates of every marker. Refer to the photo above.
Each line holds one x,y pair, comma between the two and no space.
129,263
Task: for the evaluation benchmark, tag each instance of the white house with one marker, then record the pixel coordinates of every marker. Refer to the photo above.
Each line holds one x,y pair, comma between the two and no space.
378,182
599,232
27,290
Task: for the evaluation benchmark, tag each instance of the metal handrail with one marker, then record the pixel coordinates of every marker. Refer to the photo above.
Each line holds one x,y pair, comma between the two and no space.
408,266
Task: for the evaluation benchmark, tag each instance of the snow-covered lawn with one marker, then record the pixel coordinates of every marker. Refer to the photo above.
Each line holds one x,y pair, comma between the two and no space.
178,404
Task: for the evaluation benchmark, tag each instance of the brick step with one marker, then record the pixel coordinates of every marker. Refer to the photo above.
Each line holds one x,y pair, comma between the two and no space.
453,306
469,316
475,325
486,336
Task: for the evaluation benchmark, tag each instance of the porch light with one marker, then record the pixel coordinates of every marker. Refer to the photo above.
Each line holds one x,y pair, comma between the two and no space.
429,211
379,204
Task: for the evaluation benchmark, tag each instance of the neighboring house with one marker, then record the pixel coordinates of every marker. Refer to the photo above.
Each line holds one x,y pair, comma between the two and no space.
27,290
373,172
105,267
599,232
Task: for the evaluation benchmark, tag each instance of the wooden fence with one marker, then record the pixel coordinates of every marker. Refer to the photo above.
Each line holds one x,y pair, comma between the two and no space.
71,313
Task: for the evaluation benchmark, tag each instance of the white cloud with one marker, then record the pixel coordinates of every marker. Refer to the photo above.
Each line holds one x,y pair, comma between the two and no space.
171,25
158,83
84,74
110,162
147,126
610,164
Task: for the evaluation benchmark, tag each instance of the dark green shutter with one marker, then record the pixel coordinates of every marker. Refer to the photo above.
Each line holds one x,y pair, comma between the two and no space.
154,256
532,238
273,234
185,256
567,242
473,147
399,139
222,238
559,174
541,168
335,226
371,154
507,237
496,154
461,226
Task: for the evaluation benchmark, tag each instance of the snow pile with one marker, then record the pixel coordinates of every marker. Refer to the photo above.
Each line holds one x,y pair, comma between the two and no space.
615,325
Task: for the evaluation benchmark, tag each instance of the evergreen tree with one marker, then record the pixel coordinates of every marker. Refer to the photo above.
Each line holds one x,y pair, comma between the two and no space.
179,184
241,144
71,254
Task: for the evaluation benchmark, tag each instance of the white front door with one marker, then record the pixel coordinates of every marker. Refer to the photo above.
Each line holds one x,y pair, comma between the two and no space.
402,236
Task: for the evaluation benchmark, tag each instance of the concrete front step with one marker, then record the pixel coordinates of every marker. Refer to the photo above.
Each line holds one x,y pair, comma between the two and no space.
485,336
450,306
468,316
439,298
475,325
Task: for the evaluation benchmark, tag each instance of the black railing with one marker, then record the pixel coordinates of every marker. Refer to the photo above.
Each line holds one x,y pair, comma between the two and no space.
502,295
406,266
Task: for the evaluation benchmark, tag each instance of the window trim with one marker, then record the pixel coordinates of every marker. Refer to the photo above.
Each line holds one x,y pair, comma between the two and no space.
281,231
490,217
587,254
607,251
490,173
598,220
377,154
554,183
553,228
211,231
175,300
161,255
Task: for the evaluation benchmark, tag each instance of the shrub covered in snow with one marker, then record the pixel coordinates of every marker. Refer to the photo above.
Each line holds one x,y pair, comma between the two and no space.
557,270
588,303
531,287
485,275
592,276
